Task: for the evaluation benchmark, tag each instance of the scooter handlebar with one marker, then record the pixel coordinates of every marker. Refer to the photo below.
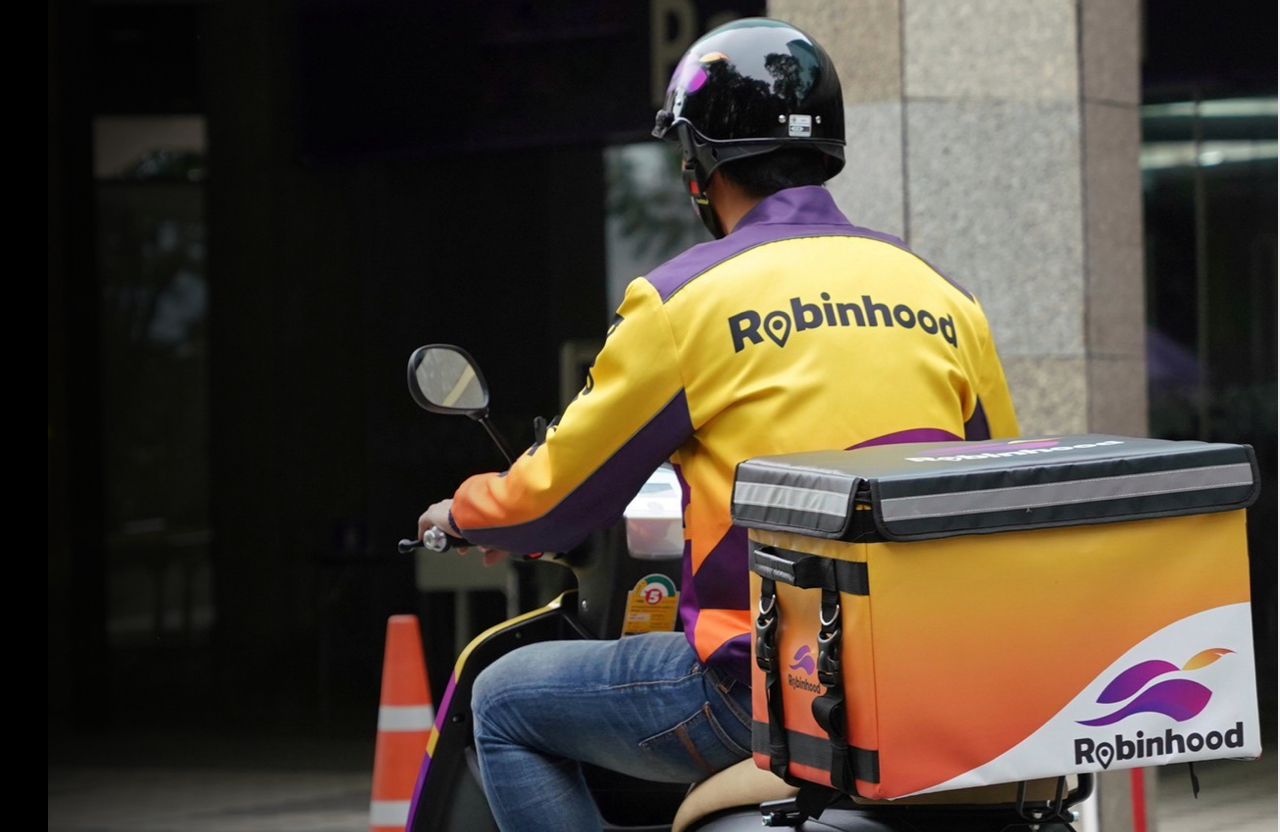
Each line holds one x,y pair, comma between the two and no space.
434,539
437,540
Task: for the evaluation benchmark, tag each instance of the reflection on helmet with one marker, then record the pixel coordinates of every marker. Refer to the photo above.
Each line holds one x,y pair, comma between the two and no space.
746,88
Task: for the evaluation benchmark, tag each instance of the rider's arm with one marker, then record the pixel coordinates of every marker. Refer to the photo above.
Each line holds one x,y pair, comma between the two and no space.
993,417
629,418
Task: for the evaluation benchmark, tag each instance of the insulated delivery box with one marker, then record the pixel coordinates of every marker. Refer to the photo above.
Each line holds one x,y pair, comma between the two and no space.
937,616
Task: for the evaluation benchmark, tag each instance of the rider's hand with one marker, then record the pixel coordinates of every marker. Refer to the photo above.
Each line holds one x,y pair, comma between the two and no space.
438,516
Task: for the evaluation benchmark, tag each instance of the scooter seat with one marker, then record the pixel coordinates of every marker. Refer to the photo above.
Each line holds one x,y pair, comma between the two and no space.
746,784
741,784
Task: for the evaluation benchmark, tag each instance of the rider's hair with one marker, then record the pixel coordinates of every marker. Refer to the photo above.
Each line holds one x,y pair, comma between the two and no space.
768,173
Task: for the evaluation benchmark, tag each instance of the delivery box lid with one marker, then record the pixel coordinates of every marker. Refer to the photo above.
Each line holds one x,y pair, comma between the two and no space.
924,490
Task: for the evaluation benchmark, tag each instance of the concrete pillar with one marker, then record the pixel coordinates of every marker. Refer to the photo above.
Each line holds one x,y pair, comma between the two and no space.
1126,801
1000,138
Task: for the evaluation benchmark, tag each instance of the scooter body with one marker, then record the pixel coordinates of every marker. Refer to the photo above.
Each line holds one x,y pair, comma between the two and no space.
448,795
607,569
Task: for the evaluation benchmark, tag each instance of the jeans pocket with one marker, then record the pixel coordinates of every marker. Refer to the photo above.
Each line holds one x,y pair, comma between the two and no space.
729,697
692,749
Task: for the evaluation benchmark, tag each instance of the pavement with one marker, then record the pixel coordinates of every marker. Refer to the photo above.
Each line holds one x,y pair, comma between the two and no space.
1235,796
174,784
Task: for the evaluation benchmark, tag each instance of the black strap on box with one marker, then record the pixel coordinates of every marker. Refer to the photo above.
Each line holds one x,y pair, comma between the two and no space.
767,660
829,708
832,577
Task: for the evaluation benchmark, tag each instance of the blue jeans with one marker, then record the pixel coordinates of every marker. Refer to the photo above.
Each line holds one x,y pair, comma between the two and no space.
642,705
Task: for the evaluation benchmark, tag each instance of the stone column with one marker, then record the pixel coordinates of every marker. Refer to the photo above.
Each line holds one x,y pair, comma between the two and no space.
1000,139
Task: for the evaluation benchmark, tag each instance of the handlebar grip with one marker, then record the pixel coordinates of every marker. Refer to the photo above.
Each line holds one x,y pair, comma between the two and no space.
434,539
437,540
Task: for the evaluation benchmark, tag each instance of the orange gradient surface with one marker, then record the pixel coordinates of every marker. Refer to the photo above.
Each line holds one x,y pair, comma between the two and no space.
967,645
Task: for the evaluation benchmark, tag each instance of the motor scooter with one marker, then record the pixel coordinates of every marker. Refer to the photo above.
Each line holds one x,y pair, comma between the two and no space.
623,577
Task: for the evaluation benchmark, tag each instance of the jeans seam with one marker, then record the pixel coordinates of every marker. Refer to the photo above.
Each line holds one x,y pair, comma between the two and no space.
723,690
514,690
719,731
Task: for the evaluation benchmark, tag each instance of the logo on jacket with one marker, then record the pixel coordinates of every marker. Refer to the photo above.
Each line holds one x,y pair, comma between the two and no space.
778,325
1178,699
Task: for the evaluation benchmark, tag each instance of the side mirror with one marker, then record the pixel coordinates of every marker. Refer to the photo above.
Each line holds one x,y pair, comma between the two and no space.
445,379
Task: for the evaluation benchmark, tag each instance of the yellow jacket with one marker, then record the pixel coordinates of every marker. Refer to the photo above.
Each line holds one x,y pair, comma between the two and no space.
797,331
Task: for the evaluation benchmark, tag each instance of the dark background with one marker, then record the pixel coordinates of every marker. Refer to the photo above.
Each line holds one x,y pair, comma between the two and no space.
383,174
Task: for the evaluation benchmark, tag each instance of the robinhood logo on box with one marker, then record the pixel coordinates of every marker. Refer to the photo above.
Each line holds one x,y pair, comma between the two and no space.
1011,448
1178,698
804,662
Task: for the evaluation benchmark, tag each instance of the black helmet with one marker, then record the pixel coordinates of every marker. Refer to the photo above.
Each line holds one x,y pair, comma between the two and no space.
746,88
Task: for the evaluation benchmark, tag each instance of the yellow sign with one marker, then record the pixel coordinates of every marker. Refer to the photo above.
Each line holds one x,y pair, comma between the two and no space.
651,606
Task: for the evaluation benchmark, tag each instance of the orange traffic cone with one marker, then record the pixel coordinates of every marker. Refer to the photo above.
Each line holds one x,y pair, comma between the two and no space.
405,717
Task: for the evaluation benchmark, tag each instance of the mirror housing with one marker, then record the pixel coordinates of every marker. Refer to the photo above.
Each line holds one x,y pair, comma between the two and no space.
446,379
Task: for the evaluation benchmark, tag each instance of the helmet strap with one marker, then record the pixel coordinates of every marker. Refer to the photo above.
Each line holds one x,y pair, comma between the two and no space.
701,202
696,179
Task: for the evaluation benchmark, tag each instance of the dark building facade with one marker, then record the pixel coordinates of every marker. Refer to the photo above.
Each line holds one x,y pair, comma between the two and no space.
258,210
